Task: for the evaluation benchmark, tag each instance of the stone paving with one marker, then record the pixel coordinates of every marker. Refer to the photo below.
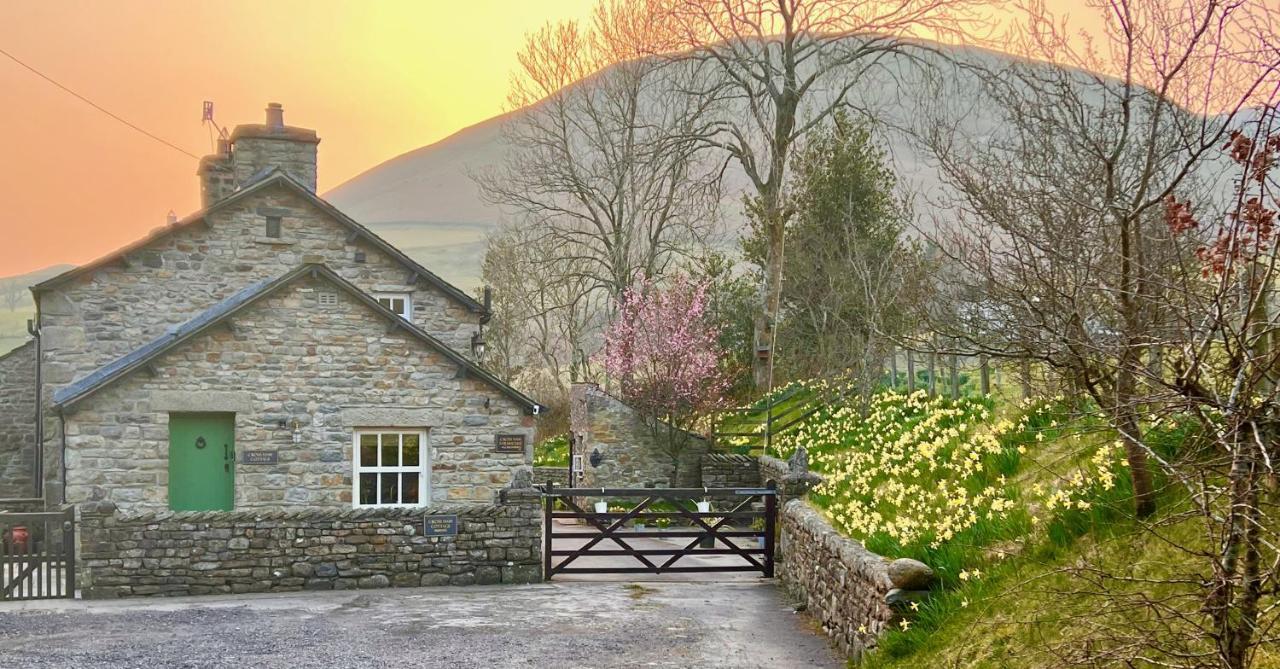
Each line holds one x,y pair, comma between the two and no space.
582,624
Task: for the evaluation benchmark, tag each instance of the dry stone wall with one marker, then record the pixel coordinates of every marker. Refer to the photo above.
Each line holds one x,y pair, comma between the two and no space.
730,470
629,455
333,367
192,553
842,584
557,475
18,422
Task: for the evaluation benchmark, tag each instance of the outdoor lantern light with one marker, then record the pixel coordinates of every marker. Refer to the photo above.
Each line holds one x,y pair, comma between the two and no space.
477,344
297,431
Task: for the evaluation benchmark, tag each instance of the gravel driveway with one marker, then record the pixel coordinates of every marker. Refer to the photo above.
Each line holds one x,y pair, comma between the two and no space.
728,624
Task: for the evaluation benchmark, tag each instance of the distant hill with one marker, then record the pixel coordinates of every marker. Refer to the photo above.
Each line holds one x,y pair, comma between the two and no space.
13,321
425,201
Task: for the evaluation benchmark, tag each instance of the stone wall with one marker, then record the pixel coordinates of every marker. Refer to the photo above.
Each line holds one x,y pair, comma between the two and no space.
842,584
194,553
334,368
730,470
630,456
557,475
18,422
773,469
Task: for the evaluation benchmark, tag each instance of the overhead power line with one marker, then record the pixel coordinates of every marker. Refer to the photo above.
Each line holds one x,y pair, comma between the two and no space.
97,106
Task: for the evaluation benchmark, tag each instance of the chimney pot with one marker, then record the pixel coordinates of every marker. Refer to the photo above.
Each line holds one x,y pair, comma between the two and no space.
275,115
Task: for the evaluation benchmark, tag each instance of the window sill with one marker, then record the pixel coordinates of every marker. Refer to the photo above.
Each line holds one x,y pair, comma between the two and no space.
274,241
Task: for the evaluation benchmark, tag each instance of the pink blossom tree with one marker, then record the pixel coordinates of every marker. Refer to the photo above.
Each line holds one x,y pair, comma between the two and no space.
664,351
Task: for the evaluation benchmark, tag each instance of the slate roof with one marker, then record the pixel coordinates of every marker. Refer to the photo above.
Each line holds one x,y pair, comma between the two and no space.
67,396
259,181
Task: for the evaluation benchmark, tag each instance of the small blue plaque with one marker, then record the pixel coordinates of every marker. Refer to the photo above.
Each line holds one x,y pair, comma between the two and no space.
439,526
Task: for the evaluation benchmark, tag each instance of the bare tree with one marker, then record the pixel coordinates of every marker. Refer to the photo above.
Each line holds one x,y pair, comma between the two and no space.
1056,223
546,317
600,165
1228,369
783,67
13,293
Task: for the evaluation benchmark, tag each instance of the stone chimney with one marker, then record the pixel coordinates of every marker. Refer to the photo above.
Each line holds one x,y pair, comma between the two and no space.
252,150
217,178
256,148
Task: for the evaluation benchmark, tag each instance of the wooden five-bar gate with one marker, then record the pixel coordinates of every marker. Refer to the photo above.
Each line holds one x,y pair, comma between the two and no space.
37,555
744,529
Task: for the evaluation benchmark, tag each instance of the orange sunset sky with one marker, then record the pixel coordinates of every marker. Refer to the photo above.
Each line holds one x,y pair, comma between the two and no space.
375,79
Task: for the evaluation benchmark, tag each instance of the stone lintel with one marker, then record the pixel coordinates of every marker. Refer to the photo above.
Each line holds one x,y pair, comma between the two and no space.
389,417
202,400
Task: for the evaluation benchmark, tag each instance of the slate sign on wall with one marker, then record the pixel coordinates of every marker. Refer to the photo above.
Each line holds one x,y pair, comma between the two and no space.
439,526
259,457
508,443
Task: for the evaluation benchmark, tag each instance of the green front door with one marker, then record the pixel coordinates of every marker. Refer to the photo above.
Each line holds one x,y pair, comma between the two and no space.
202,461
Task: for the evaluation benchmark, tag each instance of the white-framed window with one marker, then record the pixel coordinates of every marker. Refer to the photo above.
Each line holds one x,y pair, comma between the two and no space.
390,468
400,303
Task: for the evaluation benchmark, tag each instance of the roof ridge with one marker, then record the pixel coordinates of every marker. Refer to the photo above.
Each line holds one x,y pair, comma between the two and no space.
272,174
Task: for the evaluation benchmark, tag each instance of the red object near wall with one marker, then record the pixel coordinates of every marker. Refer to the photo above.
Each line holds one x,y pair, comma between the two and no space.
18,538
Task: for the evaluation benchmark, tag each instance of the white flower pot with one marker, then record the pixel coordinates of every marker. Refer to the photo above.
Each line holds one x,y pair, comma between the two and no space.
602,507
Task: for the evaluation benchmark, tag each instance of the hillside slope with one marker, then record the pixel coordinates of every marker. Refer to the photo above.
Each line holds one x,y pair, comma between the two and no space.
13,322
429,199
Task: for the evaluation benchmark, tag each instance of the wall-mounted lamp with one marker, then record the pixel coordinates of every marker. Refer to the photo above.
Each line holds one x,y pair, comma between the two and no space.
297,431
477,345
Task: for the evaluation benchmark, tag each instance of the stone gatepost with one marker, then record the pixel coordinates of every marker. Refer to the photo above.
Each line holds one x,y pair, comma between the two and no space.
98,549
526,503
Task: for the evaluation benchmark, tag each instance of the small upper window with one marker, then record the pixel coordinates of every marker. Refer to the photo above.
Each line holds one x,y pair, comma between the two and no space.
273,227
399,303
327,298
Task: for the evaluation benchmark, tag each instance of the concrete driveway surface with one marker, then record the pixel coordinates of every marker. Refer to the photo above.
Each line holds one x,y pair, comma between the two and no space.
583,624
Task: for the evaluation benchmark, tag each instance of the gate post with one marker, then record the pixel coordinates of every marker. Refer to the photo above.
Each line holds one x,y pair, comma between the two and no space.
546,529
770,525
69,551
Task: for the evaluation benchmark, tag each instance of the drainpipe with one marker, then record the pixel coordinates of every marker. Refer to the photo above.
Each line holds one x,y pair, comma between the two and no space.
62,428
33,329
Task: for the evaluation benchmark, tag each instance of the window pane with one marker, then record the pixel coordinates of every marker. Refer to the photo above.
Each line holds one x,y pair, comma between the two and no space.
390,450
368,488
390,488
368,450
412,456
385,301
409,488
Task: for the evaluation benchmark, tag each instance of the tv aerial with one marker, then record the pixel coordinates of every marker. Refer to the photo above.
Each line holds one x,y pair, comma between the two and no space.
206,119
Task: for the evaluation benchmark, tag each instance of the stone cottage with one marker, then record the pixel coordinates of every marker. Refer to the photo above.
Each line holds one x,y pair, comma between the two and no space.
265,352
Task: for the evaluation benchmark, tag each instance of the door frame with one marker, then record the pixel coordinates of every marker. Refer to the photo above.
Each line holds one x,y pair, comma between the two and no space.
222,415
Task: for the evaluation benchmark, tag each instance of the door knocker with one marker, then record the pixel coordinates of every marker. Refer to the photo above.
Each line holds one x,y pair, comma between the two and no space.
200,443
